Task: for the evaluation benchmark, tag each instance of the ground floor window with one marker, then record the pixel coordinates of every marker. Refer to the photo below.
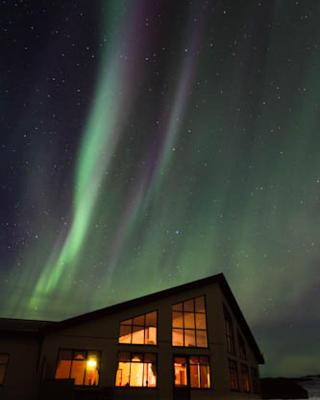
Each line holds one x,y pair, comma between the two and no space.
255,380
4,360
245,379
233,375
80,365
192,371
136,370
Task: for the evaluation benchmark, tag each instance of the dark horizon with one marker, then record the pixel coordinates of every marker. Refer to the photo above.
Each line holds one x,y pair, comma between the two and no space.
146,144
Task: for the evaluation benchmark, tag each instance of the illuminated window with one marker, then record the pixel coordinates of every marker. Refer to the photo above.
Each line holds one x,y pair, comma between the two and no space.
245,379
4,360
233,375
189,323
136,370
199,372
192,371
80,365
139,330
242,347
255,380
229,332
180,372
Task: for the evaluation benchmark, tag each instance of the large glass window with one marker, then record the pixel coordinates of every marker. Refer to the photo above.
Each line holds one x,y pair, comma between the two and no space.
229,332
180,372
139,330
136,370
242,347
245,379
4,360
192,371
233,375
189,323
255,380
80,365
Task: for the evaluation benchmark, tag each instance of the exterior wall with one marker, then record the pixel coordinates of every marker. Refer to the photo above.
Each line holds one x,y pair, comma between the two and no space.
250,359
21,375
101,334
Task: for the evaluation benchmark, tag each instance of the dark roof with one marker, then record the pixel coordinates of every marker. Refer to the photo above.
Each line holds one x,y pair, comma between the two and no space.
219,278
22,326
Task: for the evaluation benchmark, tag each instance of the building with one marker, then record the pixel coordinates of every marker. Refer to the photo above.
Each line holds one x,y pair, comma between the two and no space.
188,342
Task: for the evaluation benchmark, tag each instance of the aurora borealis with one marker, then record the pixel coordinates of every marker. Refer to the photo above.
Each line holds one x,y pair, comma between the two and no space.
148,143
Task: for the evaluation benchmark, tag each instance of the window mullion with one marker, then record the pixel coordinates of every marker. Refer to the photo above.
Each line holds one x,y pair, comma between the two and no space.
130,362
144,329
195,326
85,369
142,370
183,326
71,364
188,372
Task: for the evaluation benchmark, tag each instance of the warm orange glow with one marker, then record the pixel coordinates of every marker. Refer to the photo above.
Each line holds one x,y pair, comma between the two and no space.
82,366
139,330
189,327
193,367
199,372
63,369
136,370
92,373
180,371
91,364
245,378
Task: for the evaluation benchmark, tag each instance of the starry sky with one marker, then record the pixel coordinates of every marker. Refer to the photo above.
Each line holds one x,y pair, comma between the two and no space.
148,143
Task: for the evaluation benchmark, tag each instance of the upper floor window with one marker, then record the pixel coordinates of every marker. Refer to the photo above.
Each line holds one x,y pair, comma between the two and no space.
192,371
136,370
229,332
242,347
189,323
139,330
245,379
4,360
80,365
233,375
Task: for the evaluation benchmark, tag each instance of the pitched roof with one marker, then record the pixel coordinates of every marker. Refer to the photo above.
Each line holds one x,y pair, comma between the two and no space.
219,279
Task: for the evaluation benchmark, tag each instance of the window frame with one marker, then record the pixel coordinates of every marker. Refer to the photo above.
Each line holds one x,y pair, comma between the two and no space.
230,338
245,367
144,353
236,369
255,380
144,330
6,365
187,357
242,347
73,350
183,329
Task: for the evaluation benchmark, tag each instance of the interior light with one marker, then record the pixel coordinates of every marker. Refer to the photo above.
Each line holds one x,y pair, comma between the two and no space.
92,363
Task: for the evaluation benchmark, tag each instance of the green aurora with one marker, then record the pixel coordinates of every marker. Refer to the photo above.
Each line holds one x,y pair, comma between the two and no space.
198,152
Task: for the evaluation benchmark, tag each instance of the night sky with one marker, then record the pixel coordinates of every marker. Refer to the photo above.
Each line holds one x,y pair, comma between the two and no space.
149,143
